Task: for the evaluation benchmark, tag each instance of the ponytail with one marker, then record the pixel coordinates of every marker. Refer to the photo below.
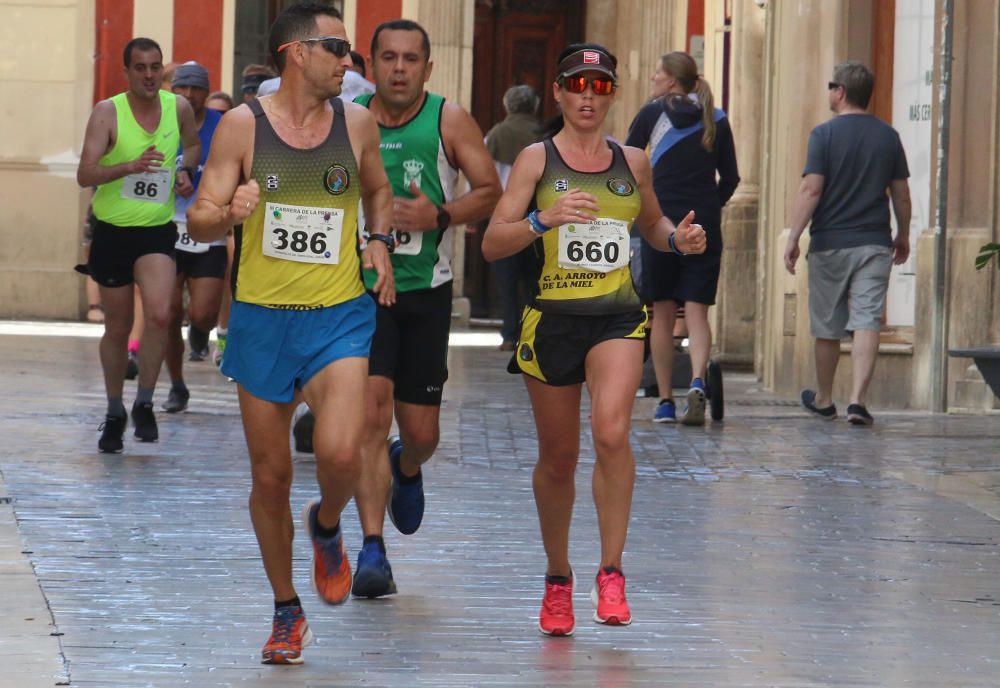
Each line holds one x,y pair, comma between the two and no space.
682,67
704,93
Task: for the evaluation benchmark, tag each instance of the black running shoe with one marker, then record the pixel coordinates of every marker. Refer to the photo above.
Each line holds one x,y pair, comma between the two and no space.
132,370
808,399
177,400
198,343
197,356
144,422
112,430
302,430
858,415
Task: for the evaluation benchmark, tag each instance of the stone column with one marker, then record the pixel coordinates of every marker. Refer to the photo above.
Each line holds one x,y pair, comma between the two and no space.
450,25
736,305
44,107
641,32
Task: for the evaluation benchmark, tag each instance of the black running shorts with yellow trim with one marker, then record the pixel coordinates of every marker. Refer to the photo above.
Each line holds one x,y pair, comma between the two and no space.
553,347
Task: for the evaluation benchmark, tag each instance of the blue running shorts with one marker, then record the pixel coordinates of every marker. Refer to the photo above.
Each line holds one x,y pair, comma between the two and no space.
272,352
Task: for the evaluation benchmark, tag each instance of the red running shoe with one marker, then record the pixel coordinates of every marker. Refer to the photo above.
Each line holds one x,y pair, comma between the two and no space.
608,597
331,572
556,617
289,634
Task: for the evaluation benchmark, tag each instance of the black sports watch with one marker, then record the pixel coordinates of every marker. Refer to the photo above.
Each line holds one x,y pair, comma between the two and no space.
190,171
443,218
387,239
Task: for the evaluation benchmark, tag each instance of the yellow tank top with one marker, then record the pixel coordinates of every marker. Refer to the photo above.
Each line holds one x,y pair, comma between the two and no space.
299,247
146,199
585,266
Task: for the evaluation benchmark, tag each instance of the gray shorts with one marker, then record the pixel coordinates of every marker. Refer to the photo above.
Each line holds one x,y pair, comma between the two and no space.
847,288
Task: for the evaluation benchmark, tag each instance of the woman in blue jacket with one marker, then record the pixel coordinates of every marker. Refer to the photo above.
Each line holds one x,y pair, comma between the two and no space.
694,167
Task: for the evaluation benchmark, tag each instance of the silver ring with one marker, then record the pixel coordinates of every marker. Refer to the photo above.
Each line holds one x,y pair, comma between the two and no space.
248,205
577,211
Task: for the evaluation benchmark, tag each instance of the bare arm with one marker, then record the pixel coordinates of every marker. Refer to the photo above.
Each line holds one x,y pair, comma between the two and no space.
899,192
376,196
192,145
463,141
509,231
655,227
97,141
810,191
222,201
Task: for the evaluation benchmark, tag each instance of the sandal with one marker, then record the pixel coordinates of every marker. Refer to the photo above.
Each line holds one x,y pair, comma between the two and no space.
95,313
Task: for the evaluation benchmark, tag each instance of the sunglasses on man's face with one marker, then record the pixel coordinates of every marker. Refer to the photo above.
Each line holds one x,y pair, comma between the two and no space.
833,84
601,85
336,46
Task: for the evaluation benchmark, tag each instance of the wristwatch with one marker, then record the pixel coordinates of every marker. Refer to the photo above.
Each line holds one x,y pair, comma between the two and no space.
190,171
443,218
387,239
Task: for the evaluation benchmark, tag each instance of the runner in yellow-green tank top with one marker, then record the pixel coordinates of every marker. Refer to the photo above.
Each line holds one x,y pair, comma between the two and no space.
128,154
586,324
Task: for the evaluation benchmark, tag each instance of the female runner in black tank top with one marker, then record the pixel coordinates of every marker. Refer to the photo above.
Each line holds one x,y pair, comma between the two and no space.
584,325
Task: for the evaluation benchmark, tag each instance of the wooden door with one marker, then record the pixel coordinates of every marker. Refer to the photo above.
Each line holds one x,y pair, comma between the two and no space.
514,42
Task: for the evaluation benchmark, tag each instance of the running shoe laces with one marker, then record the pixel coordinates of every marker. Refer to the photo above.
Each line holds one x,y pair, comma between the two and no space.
559,599
556,616
289,634
612,587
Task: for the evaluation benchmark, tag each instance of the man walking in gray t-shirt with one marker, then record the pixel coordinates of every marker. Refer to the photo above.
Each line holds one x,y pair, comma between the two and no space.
852,160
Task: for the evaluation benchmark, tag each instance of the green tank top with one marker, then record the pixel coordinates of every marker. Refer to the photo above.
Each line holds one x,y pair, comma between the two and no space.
414,152
585,266
146,199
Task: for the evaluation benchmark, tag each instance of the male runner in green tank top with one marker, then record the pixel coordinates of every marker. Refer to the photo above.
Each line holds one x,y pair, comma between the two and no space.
425,142
129,139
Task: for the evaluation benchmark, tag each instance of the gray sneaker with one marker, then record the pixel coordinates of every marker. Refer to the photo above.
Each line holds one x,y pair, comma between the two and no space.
694,410
177,400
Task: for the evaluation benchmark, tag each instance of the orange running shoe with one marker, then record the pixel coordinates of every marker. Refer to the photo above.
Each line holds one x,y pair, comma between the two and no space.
556,617
331,572
608,596
289,634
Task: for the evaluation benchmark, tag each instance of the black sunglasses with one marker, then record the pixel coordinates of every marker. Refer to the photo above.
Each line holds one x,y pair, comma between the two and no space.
833,84
337,46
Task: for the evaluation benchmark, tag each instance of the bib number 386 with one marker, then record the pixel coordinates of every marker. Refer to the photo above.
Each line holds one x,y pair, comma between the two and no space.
600,246
303,234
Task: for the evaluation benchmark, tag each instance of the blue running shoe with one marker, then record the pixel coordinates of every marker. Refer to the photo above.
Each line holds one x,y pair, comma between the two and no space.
406,504
666,412
373,576
694,410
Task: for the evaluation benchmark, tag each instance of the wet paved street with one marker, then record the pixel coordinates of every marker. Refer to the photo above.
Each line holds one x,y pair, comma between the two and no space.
770,550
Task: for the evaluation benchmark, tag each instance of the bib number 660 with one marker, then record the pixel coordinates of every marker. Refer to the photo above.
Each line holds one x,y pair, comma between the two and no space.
593,251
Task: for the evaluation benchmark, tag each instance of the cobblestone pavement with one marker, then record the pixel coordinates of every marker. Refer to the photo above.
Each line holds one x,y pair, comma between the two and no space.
769,550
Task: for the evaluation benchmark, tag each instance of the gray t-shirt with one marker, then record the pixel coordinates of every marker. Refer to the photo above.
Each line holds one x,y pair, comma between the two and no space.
858,156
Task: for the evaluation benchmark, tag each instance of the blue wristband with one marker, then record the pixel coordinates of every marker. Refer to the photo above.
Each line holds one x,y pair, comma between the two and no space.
673,245
536,225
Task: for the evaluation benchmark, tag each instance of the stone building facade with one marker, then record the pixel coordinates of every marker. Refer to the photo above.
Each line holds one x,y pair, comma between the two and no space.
768,62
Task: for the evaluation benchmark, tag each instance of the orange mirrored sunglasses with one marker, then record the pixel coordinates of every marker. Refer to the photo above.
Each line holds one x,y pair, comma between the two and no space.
601,85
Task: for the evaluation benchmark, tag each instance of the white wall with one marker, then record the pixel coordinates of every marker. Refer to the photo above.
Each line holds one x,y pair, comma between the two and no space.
912,94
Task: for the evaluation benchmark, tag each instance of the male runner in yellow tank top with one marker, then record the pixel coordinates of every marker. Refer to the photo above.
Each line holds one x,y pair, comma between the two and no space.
292,168
129,138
